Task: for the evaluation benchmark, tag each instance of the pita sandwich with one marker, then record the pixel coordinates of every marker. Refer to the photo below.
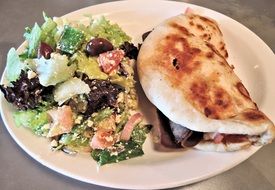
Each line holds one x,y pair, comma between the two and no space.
183,71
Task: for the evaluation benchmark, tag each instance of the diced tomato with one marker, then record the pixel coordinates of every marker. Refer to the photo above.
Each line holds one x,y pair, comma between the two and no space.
110,60
102,139
218,138
62,120
129,126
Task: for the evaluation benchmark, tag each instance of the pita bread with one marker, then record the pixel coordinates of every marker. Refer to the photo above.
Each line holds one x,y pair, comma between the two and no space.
189,80
209,146
205,28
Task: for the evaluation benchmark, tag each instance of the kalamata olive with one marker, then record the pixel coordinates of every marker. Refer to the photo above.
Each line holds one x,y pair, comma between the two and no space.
144,36
44,50
97,46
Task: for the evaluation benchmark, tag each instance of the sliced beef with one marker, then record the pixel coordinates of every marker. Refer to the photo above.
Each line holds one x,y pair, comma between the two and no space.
166,136
173,135
184,136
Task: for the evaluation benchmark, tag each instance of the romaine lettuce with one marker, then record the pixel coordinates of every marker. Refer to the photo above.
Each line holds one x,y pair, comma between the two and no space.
89,66
14,66
54,70
101,27
69,88
33,119
38,34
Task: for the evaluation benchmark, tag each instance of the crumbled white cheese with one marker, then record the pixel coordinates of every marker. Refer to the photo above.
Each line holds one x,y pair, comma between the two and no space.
46,126
78,119
118,118
31,74
109,139
54,143
114,153
120,97
90,123
94,114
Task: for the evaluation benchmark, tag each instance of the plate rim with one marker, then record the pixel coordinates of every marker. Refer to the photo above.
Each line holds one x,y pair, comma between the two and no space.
71,175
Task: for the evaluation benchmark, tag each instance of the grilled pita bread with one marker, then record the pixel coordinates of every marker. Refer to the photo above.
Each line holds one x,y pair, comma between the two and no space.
186,76
205,28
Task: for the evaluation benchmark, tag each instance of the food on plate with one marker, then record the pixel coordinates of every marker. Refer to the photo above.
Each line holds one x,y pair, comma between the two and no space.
74,84
183,70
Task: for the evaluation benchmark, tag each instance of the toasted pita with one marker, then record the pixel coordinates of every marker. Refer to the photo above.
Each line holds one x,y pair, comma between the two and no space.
203,27
209,146
188,79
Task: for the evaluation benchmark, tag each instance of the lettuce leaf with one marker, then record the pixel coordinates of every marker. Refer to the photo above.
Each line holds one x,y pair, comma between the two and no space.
32,119
33,39
54,70
34,36
48,29
70,88
89,66
101,27
14,66
130,150
123,150
103,114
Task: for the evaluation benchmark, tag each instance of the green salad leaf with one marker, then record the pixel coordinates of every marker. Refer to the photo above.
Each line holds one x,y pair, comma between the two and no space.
33,38
32,119
71,87
38,34
103,114
123,150
78,139
14,66
139,133
89,66
102,27
130,149
74,140
54,70
48,29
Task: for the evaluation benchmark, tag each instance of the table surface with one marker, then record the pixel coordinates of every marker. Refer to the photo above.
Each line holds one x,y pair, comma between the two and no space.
19,171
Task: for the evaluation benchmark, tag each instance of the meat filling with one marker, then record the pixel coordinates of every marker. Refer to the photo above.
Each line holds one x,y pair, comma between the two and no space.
187,138
229,138
184,136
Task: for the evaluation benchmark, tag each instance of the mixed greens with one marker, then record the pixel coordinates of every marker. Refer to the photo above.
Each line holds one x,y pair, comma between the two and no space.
74,84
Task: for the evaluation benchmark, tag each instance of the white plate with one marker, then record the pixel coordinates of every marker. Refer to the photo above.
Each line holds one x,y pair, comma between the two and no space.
253,61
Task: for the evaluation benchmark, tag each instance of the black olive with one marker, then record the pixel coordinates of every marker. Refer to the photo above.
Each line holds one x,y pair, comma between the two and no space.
97,46
130,50
44,50
144,36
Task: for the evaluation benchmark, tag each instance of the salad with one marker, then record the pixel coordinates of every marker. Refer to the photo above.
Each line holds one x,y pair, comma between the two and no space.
74,84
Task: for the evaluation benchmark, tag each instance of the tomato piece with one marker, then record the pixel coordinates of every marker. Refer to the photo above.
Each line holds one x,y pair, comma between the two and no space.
102,139
62,120
110,60
218,138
